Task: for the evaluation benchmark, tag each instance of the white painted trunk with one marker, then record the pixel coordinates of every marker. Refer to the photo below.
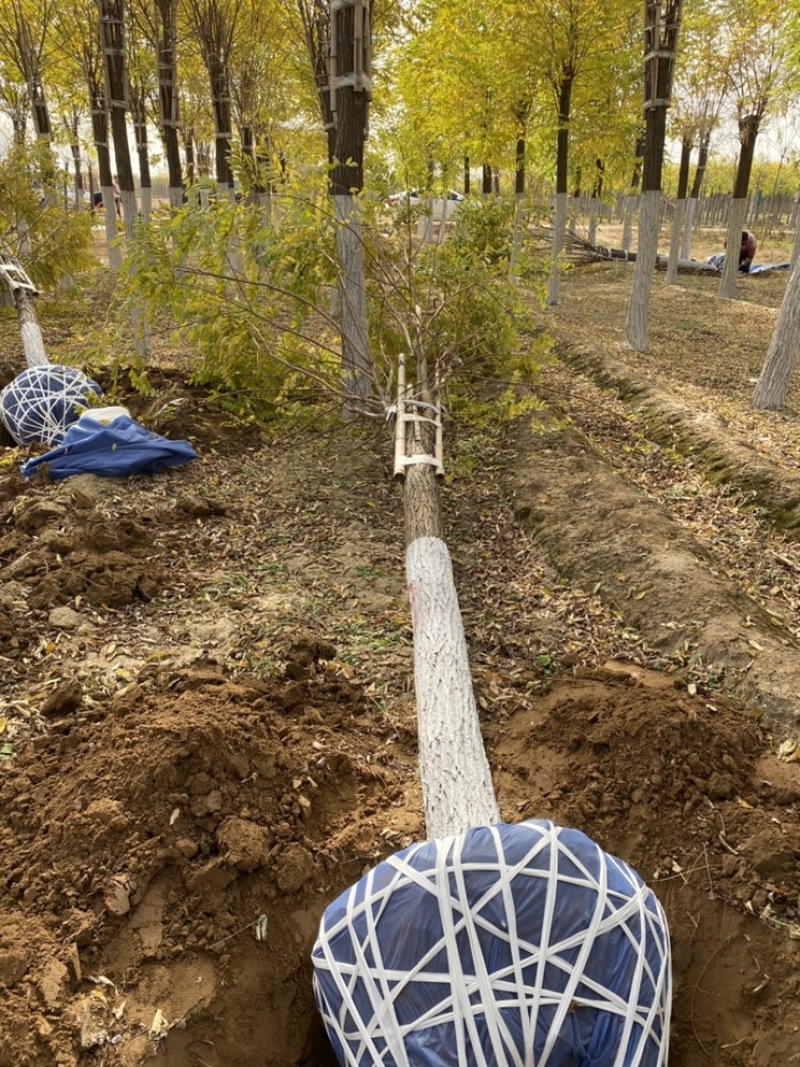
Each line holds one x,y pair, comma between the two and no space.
456,781
139,324
356,361
175,197
559,230
520,219
32,341
675,241
691,207
594,208
737,213
773,382
796,248
113,249
627,222
129,210
643,269
146,193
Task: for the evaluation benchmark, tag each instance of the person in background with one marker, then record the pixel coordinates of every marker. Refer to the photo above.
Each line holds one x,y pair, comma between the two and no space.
747,251
118,196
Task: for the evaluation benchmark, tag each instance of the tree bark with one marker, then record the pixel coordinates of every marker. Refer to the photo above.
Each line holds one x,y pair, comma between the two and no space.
559,232
349,78
112,37
680,210
694,195
737,214
32,342
168,98
773,382
356,364
139,116
457,786
456,780
660,41
649,225
100,135
562,178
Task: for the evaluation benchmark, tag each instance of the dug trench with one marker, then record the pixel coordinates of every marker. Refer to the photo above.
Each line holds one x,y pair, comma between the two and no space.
208,739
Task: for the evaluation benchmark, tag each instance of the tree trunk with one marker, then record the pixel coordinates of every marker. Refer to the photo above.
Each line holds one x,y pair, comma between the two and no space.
457,785
773,382
660,41
349,77
77,171
356,363
221,102
100,135
737,213
112,37
486,187
188,147
680,210
795,247
456,780
649,225
694,195
168,99
562,177
32,342
466,176
559,232
139,116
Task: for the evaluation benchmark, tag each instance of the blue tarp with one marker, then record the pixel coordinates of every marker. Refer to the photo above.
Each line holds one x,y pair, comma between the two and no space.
508,944
718,261
123,447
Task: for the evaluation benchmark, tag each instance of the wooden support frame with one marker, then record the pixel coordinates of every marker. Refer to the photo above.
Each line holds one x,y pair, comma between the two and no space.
409,410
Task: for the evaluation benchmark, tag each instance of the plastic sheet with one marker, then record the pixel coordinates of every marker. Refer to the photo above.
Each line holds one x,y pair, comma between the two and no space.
508,945
40,404
123,447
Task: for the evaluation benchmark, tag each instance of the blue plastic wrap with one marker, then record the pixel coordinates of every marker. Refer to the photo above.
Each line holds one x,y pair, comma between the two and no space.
121,448
508,945
40,403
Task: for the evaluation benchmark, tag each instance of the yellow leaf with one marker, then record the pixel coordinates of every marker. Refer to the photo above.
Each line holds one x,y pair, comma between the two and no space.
641,596
3,725
756,645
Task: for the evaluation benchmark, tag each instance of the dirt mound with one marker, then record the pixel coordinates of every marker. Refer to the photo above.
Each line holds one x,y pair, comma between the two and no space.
167,859
675,785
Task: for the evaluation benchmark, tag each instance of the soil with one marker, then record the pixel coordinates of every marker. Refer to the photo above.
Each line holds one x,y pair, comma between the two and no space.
207,727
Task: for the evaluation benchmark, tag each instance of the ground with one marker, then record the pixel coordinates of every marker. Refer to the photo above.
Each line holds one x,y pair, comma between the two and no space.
207,728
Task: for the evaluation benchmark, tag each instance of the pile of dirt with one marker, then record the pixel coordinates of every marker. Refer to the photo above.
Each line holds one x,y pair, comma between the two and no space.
166,859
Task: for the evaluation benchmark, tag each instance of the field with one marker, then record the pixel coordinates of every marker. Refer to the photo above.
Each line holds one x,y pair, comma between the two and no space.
207,684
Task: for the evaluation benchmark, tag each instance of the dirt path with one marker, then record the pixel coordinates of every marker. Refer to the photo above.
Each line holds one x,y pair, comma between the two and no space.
207,733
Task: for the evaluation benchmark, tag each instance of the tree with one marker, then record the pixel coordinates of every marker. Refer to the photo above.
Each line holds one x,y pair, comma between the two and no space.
758,35
773,381
23,43
213,23
661,25
339,44
156,25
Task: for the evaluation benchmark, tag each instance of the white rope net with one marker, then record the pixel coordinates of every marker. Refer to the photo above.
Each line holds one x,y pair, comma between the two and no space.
508,946
41,403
